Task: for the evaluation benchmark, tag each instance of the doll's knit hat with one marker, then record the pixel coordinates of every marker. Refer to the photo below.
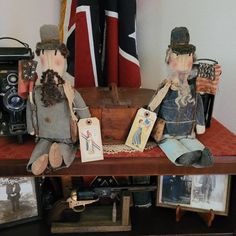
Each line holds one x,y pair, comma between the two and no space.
179,41
50,39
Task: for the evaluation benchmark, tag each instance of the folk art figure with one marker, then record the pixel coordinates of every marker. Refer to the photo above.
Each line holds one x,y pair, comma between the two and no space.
89,143
180,107
50,109
137,137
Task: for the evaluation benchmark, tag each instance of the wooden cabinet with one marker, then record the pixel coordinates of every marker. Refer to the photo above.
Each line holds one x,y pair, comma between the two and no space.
151,221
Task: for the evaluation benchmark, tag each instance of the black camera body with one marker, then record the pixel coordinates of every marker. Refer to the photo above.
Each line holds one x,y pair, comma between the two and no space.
12,106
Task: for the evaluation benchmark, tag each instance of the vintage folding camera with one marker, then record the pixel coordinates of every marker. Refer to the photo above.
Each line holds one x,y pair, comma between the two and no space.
12,106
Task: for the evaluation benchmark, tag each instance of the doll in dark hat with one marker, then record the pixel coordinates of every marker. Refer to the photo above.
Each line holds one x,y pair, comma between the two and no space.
53,107
179,108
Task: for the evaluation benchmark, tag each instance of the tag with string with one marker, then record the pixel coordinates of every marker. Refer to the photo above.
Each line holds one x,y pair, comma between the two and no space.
90,139
141,129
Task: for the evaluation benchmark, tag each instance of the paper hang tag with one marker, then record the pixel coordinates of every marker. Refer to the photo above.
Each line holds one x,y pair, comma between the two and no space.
90,139
141,129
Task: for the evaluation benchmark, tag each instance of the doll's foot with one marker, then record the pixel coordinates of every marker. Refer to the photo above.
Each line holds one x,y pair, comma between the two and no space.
206,159
189,158
55,156
39,166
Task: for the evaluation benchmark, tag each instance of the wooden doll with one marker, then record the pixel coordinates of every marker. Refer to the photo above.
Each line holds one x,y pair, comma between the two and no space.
180,107
50,114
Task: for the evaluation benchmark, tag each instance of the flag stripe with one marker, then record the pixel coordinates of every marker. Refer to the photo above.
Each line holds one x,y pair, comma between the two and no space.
129,70
86,9
111,57
84,76
128,57
111,14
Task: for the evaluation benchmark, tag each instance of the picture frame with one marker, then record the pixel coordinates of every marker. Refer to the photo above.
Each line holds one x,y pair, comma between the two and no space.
200,193
19,200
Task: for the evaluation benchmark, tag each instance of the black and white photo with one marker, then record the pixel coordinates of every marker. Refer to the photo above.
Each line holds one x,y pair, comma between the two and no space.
195,192
18,200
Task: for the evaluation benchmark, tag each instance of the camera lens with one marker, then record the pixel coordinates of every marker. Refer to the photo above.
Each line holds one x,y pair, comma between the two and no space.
15,101
12,101
12,79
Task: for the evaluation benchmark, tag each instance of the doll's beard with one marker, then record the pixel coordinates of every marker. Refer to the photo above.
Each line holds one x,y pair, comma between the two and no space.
51,93
184,95
184,92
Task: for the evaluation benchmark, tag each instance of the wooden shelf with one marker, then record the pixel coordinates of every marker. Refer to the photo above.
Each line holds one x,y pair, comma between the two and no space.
222,142
124,167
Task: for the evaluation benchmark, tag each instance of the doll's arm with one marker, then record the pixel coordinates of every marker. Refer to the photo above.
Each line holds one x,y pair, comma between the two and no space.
159,96
29,122
80,108
200,117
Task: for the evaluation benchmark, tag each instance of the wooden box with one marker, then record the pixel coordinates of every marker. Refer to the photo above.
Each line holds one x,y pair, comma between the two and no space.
98,219
116,109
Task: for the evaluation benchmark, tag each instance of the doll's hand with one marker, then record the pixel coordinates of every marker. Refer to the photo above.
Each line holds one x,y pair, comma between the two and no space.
200,129
32,133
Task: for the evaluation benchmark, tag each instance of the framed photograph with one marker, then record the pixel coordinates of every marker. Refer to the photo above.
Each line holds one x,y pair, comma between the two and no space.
19,200
195,192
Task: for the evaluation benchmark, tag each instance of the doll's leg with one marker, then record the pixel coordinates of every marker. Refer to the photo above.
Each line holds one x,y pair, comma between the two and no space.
68,152
173,149
178,153
39,158
192,144
55,156
195,150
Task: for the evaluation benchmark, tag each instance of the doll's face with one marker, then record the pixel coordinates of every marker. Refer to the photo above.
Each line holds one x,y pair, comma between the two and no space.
51,61
181,62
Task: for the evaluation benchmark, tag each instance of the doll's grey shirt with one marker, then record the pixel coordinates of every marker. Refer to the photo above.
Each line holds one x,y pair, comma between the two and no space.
54,121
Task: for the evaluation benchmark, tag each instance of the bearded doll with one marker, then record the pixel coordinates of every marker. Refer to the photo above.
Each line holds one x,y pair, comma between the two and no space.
52,107
179,107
